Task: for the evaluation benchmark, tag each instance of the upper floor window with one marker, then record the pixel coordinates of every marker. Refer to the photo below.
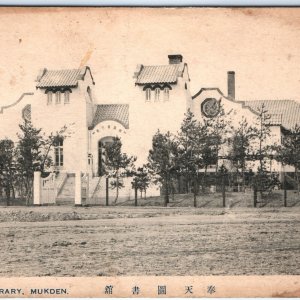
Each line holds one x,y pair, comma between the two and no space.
89,91
57,97
148,94
166,94
67,97
157,92
49,98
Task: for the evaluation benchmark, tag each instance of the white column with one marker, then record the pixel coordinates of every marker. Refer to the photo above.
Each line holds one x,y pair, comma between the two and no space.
37,188
78,188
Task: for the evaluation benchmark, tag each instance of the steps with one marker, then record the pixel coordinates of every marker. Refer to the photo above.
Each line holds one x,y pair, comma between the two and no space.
67,192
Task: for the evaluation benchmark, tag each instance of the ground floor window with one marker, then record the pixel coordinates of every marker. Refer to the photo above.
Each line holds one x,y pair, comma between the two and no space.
58,152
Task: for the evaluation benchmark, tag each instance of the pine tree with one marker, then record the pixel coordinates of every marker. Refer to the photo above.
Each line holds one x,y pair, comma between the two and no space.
33,154
7,169
241,141
162,161
118,165
289,152
193,142
141,180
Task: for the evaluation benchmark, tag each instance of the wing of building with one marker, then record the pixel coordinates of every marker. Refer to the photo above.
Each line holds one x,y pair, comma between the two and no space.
157,99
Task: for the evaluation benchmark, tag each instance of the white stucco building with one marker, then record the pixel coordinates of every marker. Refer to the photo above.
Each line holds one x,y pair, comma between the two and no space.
157,99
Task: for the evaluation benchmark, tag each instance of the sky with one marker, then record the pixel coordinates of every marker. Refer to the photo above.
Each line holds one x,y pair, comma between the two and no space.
261,45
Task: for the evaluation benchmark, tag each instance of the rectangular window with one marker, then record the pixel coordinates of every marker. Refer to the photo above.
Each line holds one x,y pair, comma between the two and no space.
157,91
49,98
57,100
166,94
67,97
58,153
148,94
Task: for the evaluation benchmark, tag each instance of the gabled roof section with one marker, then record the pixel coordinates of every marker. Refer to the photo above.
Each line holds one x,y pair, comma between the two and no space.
159,74
62,78
15,103
282,112
112,112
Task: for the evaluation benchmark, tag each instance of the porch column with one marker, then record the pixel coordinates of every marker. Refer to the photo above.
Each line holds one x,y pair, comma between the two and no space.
78,200
37,188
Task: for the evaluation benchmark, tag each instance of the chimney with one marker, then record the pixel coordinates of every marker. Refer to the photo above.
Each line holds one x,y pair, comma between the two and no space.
231,84
175,59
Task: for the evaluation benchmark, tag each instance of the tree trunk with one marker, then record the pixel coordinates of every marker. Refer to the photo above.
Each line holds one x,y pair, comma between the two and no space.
243,179
7,192
117,191
204,179
166,192
195,191
297,179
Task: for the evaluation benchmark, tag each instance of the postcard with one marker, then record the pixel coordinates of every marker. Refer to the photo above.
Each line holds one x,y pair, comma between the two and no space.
149,152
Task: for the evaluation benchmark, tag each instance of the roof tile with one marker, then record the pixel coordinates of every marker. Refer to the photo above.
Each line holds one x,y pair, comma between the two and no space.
282,112
61,78
113,112
159,74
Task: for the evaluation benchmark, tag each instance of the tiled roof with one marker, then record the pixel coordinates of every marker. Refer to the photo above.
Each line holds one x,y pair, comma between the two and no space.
61,78
282,112
159,74
112,112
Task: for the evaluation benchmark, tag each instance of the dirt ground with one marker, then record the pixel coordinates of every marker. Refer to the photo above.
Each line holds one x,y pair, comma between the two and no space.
107,241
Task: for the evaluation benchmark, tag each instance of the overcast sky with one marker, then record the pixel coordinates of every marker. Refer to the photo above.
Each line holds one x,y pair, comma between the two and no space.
260,45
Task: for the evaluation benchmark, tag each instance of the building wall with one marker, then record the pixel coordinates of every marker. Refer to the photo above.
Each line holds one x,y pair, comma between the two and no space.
237,112
145,118
75,115
11,117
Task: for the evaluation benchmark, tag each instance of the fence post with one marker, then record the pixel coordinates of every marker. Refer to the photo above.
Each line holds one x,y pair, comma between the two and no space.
78,199
223,190
255,194
87,188
37,188
135,192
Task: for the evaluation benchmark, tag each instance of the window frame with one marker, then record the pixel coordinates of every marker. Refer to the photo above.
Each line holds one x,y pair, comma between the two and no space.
59,152
157,94
49,97
67,97
166,93
148,94
57,97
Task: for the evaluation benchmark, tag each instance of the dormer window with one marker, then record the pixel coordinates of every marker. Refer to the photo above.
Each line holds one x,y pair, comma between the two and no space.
49,98
157,92
166,94
67,97
148,94
57,97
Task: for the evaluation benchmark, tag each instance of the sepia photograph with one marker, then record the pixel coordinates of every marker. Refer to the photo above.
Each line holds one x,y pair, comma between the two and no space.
149,142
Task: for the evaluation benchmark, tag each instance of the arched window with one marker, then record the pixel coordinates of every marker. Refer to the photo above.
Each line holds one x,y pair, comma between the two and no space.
157,92
148,94
57,99
67,97
26,112
89,91
58,152
166,94
49,98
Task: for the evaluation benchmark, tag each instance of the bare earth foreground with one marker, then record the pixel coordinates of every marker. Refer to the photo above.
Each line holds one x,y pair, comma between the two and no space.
100,241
